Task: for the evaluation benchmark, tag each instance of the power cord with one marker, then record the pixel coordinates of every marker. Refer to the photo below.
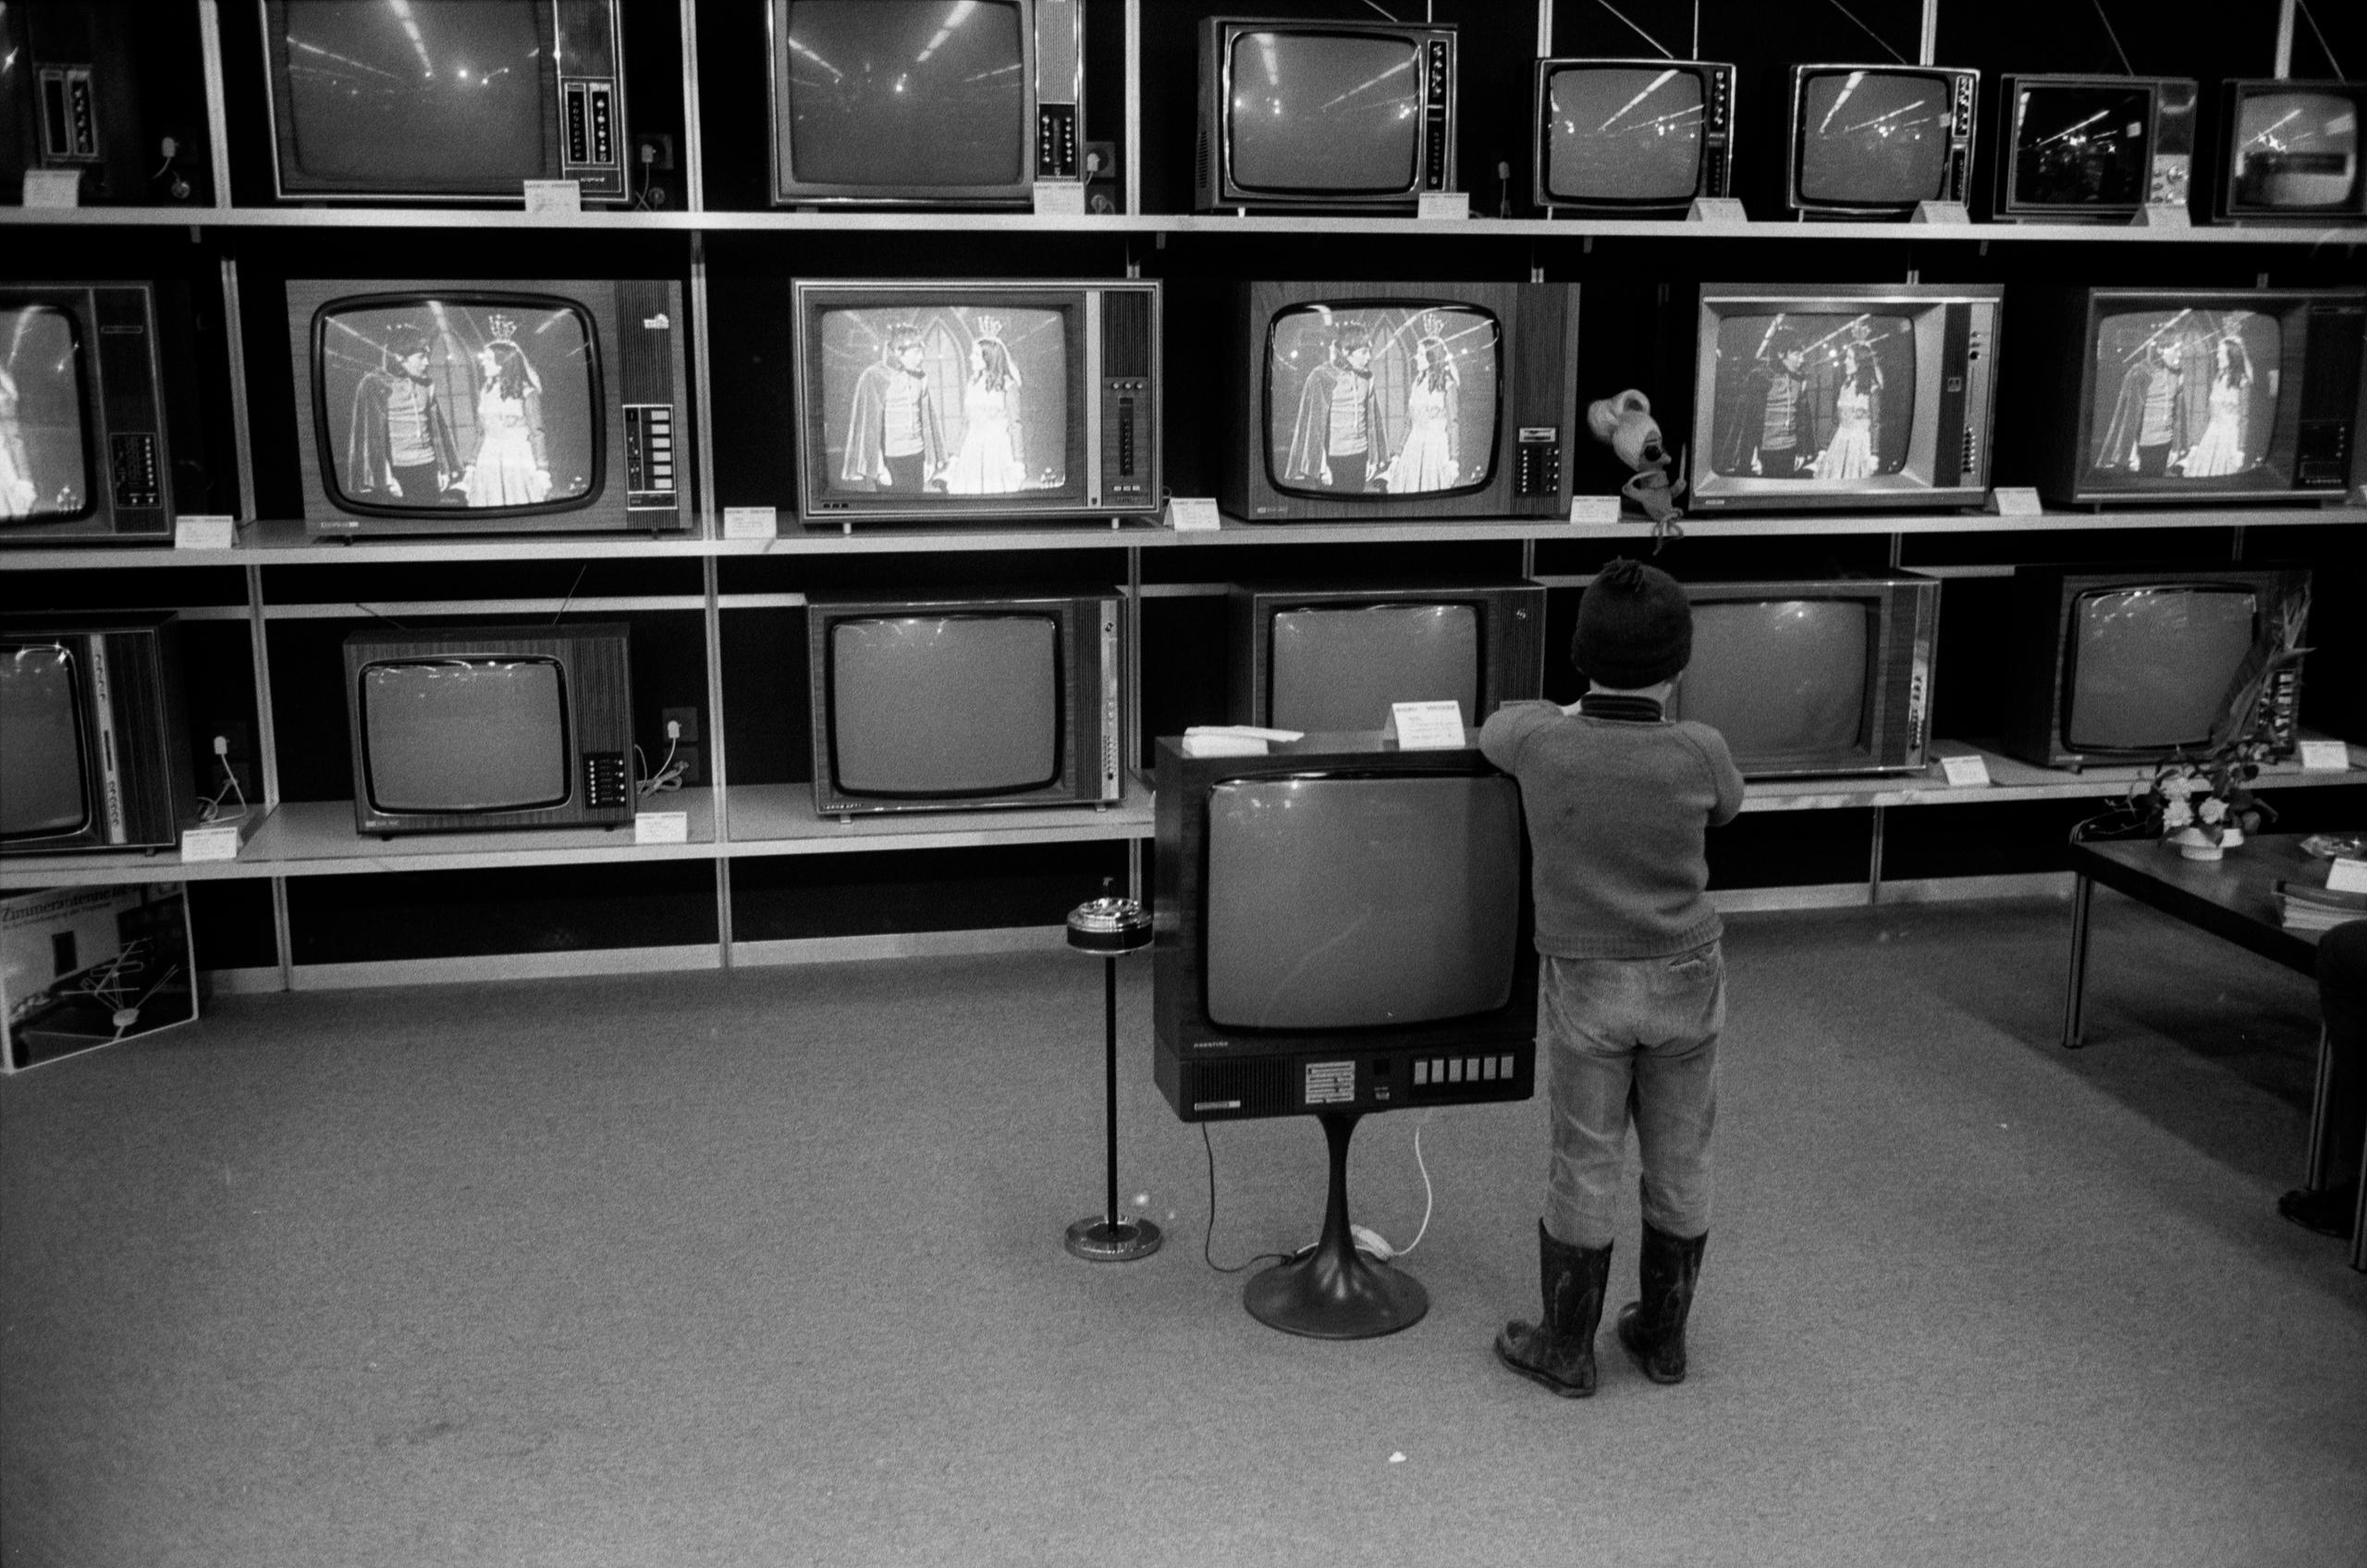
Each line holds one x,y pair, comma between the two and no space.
1367,1240
212,810
1208,1238
669,775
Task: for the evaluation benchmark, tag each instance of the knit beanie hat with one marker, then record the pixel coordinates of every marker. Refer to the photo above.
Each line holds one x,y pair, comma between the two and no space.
1634,627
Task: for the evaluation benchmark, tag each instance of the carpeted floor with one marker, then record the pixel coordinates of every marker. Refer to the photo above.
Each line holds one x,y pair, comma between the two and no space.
767,1268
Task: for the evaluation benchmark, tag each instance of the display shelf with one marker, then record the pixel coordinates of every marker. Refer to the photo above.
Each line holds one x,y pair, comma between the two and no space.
778,819
2010,780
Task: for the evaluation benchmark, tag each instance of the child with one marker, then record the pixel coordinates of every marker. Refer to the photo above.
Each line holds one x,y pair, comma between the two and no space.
1632,988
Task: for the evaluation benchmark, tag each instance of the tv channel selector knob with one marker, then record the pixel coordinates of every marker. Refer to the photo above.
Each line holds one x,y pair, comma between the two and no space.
1109,925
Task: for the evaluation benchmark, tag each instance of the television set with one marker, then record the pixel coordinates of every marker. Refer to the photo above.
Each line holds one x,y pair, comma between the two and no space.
74,96
2188,395
97,752
460,728
1631,138
938,401
450,407
2133,664
2289,152
1876,142
84,454
965,702
436,102
1843,395
922,103
1295,114
2092,149
1377,400
1336,657
1812,678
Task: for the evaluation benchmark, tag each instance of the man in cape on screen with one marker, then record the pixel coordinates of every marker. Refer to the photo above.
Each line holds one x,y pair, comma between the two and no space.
895,441
1338,428
400,447
2146,434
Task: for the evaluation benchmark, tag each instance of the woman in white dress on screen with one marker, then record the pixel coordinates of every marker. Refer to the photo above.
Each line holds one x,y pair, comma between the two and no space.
2220,450
1426,459
510,467
18,492
1850,453
987,463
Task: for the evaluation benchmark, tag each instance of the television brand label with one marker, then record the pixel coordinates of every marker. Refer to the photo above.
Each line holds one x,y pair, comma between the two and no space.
661,322
1330,1083
1210,1045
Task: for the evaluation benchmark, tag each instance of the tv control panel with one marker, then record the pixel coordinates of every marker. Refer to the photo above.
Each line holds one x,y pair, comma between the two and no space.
608,783
1536,462
649,455
1437,173
69,131
137,482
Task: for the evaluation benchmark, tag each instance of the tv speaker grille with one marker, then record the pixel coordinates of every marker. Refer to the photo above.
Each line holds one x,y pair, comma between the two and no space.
1255,1086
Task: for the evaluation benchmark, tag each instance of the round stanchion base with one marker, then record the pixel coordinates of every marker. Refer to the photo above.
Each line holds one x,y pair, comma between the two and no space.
1334,1293
1097,1241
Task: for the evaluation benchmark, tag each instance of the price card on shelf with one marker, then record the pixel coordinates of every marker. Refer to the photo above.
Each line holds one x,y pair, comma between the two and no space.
2016,500
1060,201
215,840
546,196
751,522
53,187
1427,727
1193,514
1966,773
204,530
662,828
2329,756
1453,205
1594,508
2347,875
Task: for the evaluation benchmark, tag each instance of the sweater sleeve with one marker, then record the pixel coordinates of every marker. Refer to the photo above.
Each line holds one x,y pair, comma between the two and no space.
1724,777
1508,727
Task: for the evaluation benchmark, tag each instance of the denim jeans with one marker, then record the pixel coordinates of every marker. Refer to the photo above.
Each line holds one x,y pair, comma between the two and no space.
1631,1040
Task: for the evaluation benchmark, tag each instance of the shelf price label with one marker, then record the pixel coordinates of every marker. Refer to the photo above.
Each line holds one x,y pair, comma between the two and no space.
1447,205
2328,756
53,187
1966,773
1594,508
751,522
1193,514
547,196
204,530
216,842
2016,500
662,828
1427,727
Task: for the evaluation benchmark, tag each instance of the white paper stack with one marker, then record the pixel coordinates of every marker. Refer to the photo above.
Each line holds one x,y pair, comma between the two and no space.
1233,740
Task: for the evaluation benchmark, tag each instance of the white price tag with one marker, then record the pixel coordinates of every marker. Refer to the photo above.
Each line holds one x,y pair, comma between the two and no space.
751,522
1060,201
53,187
216,842
1941,212
2016,500
2346,877
1966,773
1427,727
205,531
554,196
1716,209
1455,204
662,828
2329,756
1193,514
1594,508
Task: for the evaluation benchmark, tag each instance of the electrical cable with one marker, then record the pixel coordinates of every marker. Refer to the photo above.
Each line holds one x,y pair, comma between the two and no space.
2324,48
212,810
1430,1195
670,772
1209,1237
1870,33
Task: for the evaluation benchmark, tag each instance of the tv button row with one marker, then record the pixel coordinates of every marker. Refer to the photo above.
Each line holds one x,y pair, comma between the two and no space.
1462,1069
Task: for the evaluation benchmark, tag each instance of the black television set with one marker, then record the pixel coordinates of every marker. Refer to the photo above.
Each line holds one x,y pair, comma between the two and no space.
965,702
982,401
1814,677
2164,396
1844,395
490,406
431,101
1379,400
922,103
1876,141
96,754
471,727
1355,114
1336,657
78,93
2092,149
2134,663
84,454
1631,138
2289,152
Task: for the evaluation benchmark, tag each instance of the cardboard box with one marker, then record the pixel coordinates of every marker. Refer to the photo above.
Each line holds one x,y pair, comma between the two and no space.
84,967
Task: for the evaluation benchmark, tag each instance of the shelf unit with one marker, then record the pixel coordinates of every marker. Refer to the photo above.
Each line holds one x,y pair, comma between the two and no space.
301,840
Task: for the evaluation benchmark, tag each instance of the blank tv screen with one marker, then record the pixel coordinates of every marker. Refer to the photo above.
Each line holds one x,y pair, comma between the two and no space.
1352,902
2081,146
44,446
903,92
1813,397
1622,133
42,792
1780,678
465,734
2183,399
944,401
946,705
1381,400
430,95
433,406
1315,113
1341,668
1873,137
2298,150
2150,666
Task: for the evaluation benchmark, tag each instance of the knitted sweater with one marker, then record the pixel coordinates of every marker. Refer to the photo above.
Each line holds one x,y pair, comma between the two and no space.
1617,811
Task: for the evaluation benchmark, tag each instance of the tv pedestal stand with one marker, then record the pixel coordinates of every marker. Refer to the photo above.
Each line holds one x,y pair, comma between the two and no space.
1334,1292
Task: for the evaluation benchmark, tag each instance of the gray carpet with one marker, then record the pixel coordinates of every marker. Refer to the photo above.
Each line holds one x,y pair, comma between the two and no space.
767,1268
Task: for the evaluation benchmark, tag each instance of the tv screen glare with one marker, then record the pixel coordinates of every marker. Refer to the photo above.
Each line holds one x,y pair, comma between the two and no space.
915,93
2184,397
945,705
42,792
1814,398
2295,149
1383,400
1316,113
942,401
466,734
1780,678
44,441
1341,668
1872,142
2083,146
2150,666
1625,134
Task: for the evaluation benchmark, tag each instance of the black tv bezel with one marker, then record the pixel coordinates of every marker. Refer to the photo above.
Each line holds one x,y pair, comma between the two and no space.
1712,174
1061,717
2225,208
2068,673
1964,88
367,784
1382,497
2009,204
145,712
1221,190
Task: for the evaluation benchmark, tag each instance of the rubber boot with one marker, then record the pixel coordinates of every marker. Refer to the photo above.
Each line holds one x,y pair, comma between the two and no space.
1653,1329
1559,1351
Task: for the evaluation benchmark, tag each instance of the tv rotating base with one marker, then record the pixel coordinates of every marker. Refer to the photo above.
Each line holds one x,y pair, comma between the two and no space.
1332,1292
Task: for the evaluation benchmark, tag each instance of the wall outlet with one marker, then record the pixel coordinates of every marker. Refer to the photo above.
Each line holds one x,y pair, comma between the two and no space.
689,761
655,150
687,718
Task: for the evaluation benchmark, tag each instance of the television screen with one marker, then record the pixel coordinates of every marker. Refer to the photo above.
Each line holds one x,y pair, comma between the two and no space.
1779,677
2184,394
1341,902
1623,133
2296,150
946,400
1320,113
1873,137
945,705
42,789
1817,397
428,95
1394,399
1336,669
903,92
458,401
2083,146
465,734
44,446
2150,666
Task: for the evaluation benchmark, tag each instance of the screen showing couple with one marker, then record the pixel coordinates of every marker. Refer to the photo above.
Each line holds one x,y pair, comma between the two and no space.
431,403
43,464
1382,399
2183,395
1814,398
947,400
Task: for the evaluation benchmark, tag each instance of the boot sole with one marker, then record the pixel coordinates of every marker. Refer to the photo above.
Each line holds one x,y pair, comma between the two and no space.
1542,1379
1643,1365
